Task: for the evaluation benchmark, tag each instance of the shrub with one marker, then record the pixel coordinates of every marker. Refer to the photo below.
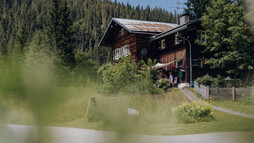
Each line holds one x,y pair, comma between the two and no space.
126,77
194,112
162,84
85,70
145,86
205,80
210,81
119,76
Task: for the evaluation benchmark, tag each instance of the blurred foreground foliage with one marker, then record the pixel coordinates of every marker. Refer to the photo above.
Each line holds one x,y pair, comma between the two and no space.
39,59
36,75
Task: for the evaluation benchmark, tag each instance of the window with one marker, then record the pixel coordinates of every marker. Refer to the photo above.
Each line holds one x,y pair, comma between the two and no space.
123,51
126,50
158,44
197,63
201,36
117,54
178,39
121,32
163,44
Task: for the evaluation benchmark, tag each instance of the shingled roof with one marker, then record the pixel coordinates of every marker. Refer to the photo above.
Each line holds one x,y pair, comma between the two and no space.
144,26
137,26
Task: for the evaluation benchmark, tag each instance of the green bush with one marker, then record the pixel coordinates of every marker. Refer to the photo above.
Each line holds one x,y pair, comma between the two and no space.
205,80
162,84
126,77
194,112
145,86
85,70
210,81
119,76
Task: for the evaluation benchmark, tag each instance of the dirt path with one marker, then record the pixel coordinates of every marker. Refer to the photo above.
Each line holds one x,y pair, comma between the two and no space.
193,97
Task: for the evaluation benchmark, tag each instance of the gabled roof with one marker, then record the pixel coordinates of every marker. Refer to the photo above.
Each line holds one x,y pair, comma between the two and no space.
174,30
144,26
136,26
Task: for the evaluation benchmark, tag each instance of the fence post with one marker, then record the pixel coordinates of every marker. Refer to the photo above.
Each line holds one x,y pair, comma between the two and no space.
233,93
207,93
91,101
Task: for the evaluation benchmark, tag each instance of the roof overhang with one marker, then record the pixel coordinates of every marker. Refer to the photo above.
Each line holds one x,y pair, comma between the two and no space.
174,30
114,22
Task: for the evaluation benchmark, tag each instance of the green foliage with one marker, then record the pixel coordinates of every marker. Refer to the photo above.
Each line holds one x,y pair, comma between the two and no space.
194,112
86,68
11,83
250,13
125,77
90,20
60,32
229,42
196,8
119,76
210,81
205,80
162,83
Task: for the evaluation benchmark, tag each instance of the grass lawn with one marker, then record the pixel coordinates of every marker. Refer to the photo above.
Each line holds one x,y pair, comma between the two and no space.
110,114
237,105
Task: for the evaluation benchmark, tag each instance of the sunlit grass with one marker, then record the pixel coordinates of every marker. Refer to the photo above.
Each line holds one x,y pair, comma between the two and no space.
237,105
234,105
156,116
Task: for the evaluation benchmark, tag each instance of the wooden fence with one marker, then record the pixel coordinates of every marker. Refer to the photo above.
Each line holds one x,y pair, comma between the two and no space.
222,93
202,90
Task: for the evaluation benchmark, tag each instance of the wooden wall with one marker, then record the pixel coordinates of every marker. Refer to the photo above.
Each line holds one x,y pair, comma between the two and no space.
143,43
126,39
136,42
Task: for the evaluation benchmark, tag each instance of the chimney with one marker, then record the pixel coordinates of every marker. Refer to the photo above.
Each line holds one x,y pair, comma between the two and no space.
184,19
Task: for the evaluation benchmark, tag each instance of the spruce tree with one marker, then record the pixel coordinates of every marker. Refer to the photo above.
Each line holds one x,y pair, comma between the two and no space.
3,48
196,7
60,31
229,41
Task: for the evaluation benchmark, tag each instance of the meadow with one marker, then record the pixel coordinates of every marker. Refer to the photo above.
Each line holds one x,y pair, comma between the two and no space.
109,113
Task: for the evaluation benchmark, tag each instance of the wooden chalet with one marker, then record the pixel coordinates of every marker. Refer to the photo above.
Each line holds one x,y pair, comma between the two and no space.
127,36
174,46
178,47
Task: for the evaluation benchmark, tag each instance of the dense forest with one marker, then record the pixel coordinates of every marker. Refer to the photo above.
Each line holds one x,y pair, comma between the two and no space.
20,19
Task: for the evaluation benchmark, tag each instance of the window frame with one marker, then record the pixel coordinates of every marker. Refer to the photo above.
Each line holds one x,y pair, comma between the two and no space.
201,36
176,39
117,54
163,44
120,52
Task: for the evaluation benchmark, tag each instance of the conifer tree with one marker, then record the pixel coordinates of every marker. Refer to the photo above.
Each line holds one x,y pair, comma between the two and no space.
3,48
229,41
196,7
60,31
90,18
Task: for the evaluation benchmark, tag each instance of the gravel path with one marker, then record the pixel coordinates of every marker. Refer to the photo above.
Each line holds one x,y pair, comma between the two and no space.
193,97
19,133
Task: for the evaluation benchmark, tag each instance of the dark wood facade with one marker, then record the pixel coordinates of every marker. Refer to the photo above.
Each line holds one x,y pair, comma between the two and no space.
176,52
164,47
137,42
140,47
